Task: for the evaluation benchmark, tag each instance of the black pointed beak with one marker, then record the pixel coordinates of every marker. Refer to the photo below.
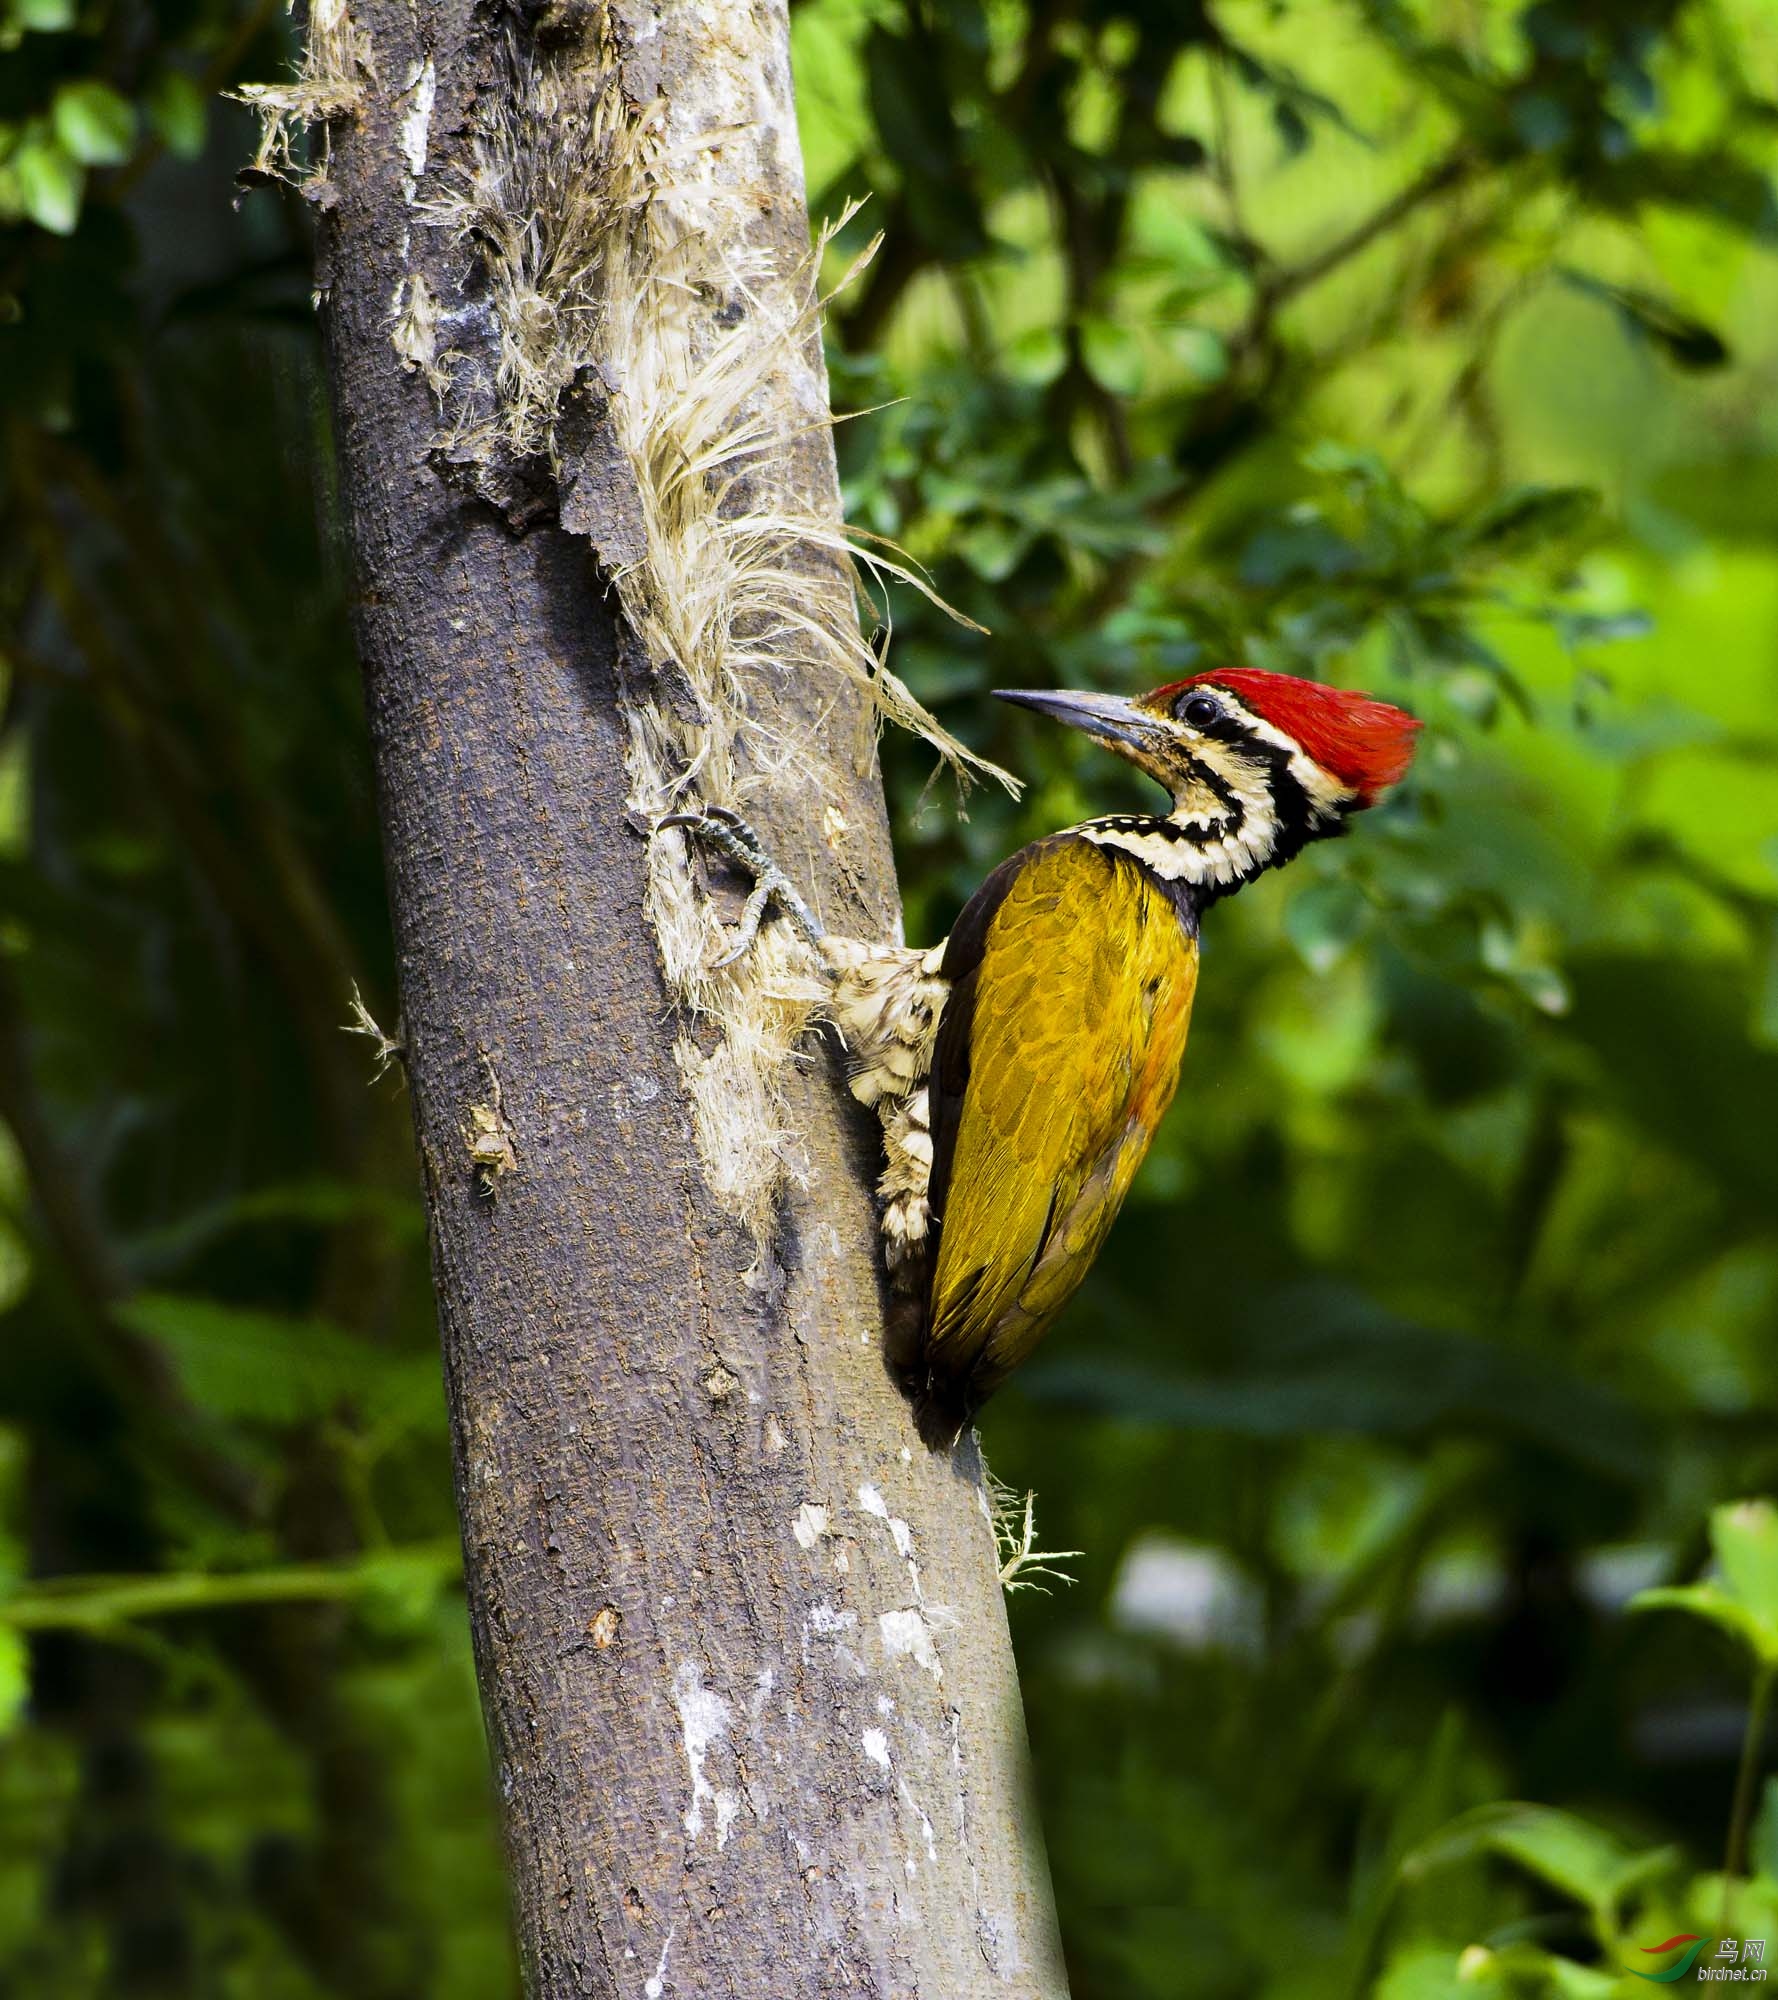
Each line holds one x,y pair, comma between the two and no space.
1109,717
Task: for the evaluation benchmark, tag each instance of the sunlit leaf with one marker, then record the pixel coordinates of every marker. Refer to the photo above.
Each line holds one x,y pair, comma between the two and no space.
178,112
994,548
50,183
1525,1972
1743,1601
46,16
95,125
1424,1974
1569,1853
1745,1538
15,1675
1112,353
1037,356
1202,354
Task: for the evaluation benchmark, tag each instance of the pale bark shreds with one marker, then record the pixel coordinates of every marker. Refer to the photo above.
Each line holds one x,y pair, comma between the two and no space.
631,311
336,56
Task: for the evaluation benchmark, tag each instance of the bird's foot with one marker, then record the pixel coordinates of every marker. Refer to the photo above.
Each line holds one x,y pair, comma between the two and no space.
730,835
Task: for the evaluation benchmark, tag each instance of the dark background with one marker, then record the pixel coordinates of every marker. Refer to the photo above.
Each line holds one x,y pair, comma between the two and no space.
1425,345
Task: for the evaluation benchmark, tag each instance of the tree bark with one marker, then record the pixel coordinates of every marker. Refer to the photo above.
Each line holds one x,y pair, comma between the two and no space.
742,1650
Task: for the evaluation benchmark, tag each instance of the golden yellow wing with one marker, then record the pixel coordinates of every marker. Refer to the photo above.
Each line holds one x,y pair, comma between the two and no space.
1058,1054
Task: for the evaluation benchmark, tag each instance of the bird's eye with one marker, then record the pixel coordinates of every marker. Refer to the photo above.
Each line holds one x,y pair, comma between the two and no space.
1199,709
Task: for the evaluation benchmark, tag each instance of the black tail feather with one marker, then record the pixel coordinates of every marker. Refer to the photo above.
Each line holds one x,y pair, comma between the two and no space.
940,1416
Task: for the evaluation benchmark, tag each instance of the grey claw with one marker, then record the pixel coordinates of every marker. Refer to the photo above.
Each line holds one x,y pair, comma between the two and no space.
722,828
730,834
742,936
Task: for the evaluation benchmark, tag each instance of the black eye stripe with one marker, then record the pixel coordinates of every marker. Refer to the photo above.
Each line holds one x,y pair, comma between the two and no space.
1221,790
1227,725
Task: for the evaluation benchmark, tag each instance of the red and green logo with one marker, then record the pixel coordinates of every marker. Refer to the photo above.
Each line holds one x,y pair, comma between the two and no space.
1681,1965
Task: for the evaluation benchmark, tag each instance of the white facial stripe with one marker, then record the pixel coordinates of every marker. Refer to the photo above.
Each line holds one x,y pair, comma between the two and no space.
1323,790
1228,830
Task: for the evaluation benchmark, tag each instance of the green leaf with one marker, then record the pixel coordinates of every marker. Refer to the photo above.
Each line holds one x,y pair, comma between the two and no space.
95,125
1324,921
176,109
1506,953
1569,1853
1424,1973
402,1586
317,1202
1529,515
1036,357
1521,1969
1711,181
1318,1359
1112,353
1597,628
994,547
1765,1008
14,1473
1569,1981
1755,1903
1711,1603
275,1369
1541,122
1743,1602
1745,1537
1687,342
1675,1038
1201,353
46,16
15,1677
50,185
1576,1857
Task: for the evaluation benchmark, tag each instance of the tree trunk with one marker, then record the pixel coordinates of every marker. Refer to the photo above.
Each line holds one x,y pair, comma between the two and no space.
742,1650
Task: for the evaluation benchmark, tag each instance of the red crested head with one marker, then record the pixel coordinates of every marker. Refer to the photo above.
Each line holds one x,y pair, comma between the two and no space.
1364,744
1257,765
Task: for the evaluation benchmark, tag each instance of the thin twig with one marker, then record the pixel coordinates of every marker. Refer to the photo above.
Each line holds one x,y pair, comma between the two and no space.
1449,173
1734,1861
98,1604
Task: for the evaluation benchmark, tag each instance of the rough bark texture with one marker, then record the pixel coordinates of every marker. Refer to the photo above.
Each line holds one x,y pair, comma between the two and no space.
743,1655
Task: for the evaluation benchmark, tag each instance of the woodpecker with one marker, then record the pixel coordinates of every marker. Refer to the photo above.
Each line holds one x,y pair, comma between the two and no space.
1021,1067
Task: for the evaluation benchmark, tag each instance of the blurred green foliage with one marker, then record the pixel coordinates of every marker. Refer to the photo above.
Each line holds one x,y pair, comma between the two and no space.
1424,345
